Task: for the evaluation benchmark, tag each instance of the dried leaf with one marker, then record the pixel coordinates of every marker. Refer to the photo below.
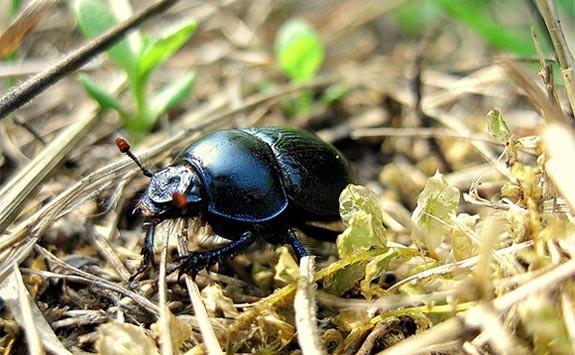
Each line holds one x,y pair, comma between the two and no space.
286,269
361,214
461,244
436,205
214,299
124,338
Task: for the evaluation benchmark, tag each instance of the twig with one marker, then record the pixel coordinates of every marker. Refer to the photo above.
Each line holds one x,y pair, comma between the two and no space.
87,278
25,91
561,47
18,300
164,321
25,308
546,71
208,334
305,314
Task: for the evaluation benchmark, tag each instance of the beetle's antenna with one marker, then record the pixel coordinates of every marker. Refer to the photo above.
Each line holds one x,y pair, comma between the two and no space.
124,147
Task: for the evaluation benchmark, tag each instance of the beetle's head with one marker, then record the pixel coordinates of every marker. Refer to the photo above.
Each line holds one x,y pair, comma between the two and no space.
171,190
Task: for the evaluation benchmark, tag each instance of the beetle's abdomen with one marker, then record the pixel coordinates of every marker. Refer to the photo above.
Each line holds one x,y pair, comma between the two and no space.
240,175
313,172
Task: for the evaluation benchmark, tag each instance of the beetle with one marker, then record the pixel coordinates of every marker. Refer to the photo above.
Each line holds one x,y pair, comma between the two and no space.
246,184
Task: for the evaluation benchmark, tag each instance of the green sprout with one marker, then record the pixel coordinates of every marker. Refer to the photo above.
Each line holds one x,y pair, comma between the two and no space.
138,58
300,53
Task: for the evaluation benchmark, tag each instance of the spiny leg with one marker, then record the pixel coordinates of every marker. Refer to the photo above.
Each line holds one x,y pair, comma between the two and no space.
295,243
198,260
147,252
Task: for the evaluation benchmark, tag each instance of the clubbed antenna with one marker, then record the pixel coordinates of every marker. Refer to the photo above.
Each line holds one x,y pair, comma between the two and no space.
124,147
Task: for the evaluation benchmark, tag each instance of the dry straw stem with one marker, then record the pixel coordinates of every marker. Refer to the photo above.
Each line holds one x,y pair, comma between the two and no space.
208,333
28,315
165,314
304,306
465,325
536,95
77,275
25,308
564,57
478,82
15,192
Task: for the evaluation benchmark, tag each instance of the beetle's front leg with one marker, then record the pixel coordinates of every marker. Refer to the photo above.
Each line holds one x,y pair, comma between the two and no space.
147,252
198,260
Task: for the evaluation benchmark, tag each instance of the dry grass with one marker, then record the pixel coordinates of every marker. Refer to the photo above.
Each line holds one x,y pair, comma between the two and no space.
499,281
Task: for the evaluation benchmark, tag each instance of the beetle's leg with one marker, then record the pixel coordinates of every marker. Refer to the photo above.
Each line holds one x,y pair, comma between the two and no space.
295,243
198,260
147,252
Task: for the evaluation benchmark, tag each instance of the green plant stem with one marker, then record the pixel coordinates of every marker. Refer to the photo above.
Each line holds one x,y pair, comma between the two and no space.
140,123
27,90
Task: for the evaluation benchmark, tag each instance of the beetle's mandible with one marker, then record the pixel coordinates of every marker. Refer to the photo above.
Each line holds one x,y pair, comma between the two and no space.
252,183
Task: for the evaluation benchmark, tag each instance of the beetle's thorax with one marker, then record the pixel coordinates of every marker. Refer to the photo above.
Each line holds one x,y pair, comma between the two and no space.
175,180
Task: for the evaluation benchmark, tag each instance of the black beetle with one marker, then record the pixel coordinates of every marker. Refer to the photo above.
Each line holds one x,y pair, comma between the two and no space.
249,183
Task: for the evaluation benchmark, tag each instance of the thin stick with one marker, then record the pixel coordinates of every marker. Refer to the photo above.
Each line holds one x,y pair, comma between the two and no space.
305,312
27,90
564,57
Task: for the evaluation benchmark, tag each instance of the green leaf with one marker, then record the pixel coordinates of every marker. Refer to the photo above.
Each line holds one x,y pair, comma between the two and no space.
153,54
498,128
94,18
334,93
361,214
461,244
172,94
375,268
477,14
345,279
299,50
436,205
105,99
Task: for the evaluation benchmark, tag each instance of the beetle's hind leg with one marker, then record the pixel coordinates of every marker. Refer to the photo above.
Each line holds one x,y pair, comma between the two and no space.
198,260
296,244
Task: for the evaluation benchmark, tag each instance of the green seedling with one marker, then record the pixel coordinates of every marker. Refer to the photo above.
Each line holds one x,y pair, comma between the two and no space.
138,58
299,53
